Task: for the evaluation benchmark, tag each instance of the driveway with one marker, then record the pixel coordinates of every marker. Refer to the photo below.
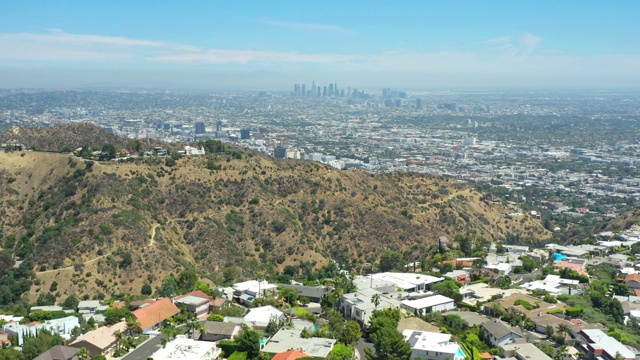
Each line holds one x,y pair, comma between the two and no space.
361,345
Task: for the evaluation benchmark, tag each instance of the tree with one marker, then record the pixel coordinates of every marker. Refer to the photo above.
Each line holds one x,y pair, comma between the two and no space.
133,326
135,145
187,280
71,302
465,244
389,344
340,352
249,341
504,282
448,288
34,346
216,317
350,333
108,151
45,299
391,260
375,299
83,354
113,315
169,332
146,289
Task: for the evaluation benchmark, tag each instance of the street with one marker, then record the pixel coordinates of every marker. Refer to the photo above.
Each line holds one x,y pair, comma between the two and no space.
144,351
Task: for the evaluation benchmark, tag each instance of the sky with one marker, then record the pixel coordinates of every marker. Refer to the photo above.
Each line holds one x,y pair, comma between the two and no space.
411,45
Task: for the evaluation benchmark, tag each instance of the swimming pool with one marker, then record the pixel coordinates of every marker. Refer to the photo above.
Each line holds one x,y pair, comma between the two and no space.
460,353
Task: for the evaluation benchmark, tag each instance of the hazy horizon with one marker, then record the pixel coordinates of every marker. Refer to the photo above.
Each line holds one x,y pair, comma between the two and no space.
209,45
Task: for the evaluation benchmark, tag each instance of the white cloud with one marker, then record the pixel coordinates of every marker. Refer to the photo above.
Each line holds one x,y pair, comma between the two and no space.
517,59
306,26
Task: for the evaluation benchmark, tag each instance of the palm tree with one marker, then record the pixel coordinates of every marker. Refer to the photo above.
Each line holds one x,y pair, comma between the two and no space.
192,326
119,340
564,329
83,354
169,332
375,299
133,326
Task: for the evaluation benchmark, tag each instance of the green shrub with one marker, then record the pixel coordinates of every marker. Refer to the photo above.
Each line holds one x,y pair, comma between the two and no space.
525,304
238,355
555,311
574,311
228,347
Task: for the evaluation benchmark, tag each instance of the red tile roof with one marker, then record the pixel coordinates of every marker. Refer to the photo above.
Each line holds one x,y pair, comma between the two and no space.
197,293
290,355
632,277
155,313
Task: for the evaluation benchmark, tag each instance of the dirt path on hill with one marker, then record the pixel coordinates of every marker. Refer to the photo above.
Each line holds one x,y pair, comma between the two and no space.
152,235
71,267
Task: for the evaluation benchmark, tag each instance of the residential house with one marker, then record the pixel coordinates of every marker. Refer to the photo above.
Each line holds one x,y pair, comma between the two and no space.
554,285
155,314
481,292
313,293
101,340
46,308
216,331
407,282
460,276
258,318
91,306
290,355
498,332
285,340
359,305
514,302
62,327
523,351
434,346
219,303
182,348
428,304
598,345
545,320
246,292
58,352
196,302
632,281
4,338
573,265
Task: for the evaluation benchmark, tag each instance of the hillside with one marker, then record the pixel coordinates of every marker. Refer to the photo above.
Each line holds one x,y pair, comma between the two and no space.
110,227
66,137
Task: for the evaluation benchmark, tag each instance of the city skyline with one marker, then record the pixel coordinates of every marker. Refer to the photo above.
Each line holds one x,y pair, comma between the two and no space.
415,45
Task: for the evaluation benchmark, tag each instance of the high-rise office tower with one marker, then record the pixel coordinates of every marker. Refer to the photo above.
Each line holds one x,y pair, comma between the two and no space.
313,88
330,89
304,90
200,129
245,134
296,89
418,103
318,92
219,125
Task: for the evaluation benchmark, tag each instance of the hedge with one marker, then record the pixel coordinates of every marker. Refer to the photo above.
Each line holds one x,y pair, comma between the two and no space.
228,347
574,311
238,355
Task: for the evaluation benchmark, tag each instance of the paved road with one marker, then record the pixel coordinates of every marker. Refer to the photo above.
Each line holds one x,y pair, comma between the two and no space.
144,351
363,343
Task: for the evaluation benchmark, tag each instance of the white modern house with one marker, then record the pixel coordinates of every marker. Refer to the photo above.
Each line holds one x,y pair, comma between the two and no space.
428,304
62,327
394,281
246,292
432,346
258,318
183,348
359,305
